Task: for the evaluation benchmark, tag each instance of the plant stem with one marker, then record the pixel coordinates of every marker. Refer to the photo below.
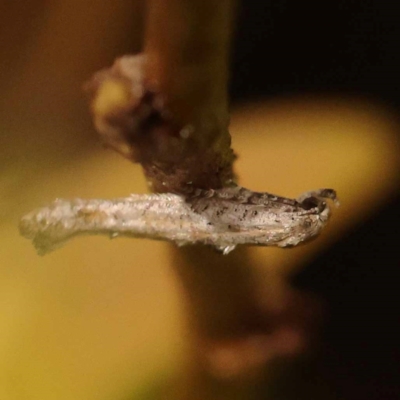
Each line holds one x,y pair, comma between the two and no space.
168,110
187,46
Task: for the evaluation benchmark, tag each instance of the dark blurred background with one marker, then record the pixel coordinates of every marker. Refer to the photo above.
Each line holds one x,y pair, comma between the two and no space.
282,48
288,47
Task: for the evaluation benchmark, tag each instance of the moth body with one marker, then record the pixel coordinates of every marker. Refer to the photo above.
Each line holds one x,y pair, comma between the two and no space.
222,218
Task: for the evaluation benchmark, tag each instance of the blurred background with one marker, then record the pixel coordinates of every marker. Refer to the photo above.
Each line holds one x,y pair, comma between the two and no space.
315,94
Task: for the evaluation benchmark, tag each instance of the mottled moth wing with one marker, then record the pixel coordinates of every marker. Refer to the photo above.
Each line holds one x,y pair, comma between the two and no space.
244,216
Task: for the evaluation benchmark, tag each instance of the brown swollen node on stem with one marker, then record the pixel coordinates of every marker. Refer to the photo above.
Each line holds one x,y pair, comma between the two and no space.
134,119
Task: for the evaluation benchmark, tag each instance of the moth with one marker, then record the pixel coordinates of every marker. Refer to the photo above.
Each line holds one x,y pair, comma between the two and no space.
222,218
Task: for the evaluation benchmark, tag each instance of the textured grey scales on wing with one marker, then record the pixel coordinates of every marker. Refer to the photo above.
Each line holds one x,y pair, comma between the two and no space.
222,218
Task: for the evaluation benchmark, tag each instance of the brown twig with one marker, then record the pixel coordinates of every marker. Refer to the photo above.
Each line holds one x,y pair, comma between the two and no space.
167,109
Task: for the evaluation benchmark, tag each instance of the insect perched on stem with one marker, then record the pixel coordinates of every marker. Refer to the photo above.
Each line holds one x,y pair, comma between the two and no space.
222,218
